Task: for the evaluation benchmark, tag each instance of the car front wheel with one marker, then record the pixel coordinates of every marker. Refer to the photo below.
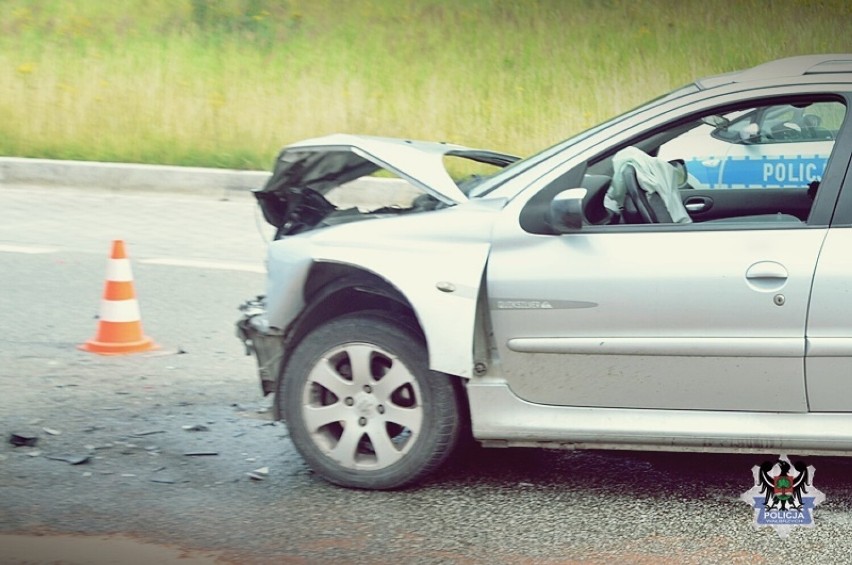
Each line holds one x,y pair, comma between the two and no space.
362,407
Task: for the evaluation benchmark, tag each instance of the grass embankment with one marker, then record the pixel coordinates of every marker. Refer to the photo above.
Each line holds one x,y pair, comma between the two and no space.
227,83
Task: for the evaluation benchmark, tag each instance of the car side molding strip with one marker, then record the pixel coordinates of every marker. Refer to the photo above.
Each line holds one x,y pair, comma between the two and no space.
830,347
668,346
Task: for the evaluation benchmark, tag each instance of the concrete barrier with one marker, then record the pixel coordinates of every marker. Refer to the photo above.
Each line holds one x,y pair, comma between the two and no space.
365,192
125,176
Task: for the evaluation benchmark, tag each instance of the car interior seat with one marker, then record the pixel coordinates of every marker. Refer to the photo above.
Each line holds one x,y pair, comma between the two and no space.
813,130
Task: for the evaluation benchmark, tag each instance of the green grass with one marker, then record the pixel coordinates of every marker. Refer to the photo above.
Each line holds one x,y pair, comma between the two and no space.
226,84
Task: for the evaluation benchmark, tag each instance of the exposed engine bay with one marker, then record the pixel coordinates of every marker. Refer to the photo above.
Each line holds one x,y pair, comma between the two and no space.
312,183
304,209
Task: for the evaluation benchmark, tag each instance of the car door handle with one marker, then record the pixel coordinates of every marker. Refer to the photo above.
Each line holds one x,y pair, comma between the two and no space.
767,270
698,203
767,276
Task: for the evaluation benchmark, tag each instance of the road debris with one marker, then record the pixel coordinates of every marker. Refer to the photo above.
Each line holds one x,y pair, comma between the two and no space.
92,447
69,458
147,433
196,428
21,440
51,432
200,453
258,474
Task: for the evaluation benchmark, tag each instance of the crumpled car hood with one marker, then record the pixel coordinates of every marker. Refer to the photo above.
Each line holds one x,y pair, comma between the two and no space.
323,163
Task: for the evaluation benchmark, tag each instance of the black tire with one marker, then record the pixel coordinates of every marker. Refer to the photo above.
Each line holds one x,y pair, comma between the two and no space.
404,419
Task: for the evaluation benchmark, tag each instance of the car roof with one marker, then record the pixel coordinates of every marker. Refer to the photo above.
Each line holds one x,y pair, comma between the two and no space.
789,68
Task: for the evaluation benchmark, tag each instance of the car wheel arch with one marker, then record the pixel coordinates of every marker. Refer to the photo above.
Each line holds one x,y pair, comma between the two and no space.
333,290
336,289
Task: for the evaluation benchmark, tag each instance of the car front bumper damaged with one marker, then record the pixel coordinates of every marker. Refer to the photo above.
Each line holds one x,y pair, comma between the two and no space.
264,342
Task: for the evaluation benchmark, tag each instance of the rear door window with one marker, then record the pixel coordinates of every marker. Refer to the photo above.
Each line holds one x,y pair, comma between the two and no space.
773,146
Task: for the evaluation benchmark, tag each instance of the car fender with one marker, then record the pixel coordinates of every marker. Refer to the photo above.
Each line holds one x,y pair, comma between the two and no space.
435,260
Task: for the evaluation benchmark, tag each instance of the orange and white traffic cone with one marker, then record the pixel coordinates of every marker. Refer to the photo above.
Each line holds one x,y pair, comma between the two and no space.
119,325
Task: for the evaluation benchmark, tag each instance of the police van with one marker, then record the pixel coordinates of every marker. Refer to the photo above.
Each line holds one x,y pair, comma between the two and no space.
781,146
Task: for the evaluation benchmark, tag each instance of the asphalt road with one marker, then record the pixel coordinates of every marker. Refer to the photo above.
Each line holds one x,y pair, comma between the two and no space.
140,496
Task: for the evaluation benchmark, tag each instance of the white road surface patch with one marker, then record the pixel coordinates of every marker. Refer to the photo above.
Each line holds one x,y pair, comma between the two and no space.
28,249
206,264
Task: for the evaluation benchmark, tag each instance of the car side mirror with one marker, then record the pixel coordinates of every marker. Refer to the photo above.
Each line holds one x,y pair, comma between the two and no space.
565,214
750,133
719,123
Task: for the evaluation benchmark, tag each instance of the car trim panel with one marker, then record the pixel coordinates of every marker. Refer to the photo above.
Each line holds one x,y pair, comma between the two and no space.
829,347
499,415
386,249
669,346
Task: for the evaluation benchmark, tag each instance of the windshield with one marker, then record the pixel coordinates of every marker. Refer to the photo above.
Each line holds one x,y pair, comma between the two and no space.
494,182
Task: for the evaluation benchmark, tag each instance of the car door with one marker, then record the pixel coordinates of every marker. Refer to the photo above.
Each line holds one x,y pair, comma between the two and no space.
829,335
700,316
828,365
650,318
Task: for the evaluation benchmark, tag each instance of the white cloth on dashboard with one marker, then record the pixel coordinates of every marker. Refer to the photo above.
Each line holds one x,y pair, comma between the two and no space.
654,175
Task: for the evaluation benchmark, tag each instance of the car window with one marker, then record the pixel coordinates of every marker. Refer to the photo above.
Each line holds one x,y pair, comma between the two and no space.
756,164
708,167
774,146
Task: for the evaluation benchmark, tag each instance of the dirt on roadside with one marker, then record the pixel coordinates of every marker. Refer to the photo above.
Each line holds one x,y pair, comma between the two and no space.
96,550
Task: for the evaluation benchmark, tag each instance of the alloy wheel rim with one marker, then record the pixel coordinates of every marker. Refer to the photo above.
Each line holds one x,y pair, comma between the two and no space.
362,407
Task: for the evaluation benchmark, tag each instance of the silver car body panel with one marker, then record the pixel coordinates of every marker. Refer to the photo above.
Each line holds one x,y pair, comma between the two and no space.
504,420
697,329
435,260
828,368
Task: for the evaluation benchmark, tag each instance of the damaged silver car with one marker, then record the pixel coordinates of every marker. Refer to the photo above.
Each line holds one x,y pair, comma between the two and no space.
598,294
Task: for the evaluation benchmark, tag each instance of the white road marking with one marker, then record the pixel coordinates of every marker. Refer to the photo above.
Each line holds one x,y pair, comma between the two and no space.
29,249
119,269
206,264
